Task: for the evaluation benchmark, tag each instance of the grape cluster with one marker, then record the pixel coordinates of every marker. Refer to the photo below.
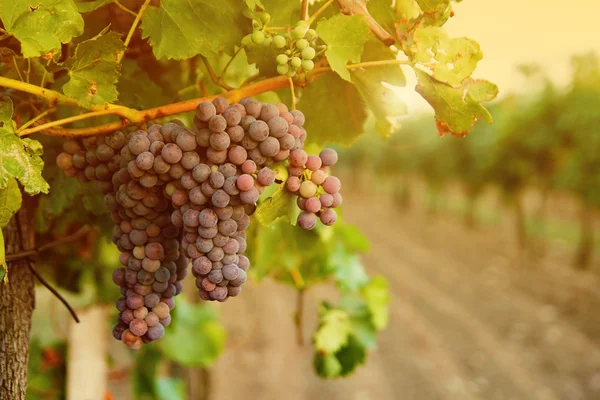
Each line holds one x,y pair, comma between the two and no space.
296,48
179,195
318,193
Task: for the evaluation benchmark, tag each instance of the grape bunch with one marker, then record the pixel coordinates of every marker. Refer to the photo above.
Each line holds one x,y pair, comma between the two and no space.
179,196
318,193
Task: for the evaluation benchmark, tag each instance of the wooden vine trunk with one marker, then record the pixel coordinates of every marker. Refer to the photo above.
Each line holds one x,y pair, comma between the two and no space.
17,300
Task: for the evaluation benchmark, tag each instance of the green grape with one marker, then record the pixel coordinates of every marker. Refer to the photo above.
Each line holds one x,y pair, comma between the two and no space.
283,69
256,25
302,44
281,59
265,18
311,34
279,42
288,52
296,62
298,32
258,37
267,42
291,73
302,23
307,65
308,53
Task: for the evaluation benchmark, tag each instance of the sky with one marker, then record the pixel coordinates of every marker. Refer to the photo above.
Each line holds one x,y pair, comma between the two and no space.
514,32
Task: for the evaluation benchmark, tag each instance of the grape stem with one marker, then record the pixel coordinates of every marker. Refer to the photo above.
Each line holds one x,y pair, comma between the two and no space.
293,95
36,118
217,80
319,11
304,11
222,77
136,21
122,7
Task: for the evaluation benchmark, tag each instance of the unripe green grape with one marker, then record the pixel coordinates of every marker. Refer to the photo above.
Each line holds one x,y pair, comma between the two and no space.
296,62
258,37
302,44
255,24
265,18
302,23
311,34
281,59
291,73
267,42
288,52
283,69
308,53
298,32
279,42
307,65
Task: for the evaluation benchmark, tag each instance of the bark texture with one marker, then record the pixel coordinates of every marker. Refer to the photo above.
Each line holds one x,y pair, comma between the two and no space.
17,299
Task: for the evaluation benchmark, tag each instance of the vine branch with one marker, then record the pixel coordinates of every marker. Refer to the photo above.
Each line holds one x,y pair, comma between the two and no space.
319,11
34,252
122,7
217,80
359,7
136,21
53,291
36,118
304,11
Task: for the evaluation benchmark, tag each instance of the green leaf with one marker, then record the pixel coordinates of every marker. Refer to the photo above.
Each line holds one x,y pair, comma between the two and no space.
275,207
382,11
450,60
137,90
19,158
349,272
431,6
170,388
334,330
345,38
10,202
456,109
94,70
377,297
283,12
182,29
327,365
351,356
88,6
197,322
41,25
335,119
143,378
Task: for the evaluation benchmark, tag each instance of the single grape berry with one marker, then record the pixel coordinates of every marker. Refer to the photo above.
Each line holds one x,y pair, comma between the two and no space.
296,62
307,220
302,44
281,59
299,32
283,69
307,65
308,53
279,42
258,37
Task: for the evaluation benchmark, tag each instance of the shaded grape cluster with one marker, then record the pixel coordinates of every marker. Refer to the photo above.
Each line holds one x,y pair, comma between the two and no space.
179,196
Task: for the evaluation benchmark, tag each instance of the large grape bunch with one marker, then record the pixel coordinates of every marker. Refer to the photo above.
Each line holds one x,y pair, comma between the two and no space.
181,195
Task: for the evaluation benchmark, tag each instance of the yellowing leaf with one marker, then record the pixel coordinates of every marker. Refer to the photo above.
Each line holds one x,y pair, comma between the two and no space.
457,109
275,207
41,25
345,38
10,202
333,331
377,296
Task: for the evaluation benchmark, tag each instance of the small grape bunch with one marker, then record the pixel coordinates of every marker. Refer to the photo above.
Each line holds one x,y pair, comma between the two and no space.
259,36
301,50
319,193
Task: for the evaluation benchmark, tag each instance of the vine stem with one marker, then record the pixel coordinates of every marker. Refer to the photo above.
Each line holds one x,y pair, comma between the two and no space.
318,12
136,21
293,95
36,118
299,316
54,292
217,80
304,10
122,7
64,121
84,230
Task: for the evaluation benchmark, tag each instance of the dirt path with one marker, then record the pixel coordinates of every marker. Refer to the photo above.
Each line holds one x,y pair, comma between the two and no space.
468,321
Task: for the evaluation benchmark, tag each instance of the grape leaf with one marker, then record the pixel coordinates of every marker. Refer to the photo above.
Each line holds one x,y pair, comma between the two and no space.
41,25
275,207
334,330
383,13
87,6
170,388
183,29
283,12
19,158
94,70
431,6
345,37
377,297
10,202
332,119
349,272
198,322
450,60
456,109
137,90
381,99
